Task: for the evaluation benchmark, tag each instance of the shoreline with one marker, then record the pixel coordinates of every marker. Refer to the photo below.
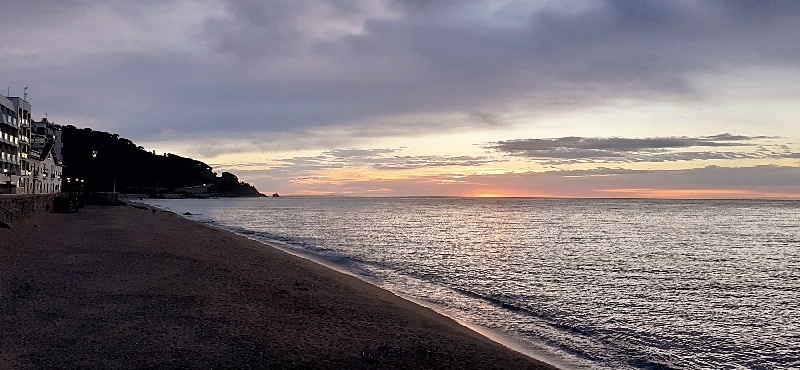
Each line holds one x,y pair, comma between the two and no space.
527,349
141,287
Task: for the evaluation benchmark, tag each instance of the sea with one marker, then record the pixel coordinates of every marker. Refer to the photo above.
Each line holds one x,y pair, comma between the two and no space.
579,283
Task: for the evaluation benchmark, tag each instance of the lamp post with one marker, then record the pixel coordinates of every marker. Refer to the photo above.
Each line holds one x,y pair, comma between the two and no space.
94,183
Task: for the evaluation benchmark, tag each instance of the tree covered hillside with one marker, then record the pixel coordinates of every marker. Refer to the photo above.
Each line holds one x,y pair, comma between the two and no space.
107,162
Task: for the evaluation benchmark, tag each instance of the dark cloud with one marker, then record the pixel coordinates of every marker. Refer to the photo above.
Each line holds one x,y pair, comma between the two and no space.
416,162
628,150
615,144
359,153
256,28
376,159
296,66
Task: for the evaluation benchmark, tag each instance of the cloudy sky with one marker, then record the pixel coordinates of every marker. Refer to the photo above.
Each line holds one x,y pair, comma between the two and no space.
637,98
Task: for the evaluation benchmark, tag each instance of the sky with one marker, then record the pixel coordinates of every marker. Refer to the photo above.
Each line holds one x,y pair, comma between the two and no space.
644,98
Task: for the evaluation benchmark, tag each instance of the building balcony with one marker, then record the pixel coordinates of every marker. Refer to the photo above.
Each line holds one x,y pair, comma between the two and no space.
8,139
9,121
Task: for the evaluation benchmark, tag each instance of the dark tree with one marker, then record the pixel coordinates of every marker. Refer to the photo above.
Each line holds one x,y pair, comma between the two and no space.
107,162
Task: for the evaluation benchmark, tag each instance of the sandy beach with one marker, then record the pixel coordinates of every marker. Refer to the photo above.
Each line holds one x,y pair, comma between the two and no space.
133,287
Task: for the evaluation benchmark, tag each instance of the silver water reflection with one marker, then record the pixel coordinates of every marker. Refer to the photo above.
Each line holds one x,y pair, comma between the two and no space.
602,283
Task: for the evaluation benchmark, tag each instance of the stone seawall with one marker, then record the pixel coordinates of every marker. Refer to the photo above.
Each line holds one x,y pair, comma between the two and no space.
16,206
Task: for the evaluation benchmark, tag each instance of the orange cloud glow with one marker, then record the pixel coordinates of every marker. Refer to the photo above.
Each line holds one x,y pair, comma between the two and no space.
697,194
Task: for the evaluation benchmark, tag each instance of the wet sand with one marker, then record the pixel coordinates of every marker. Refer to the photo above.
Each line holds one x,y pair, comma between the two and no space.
133,287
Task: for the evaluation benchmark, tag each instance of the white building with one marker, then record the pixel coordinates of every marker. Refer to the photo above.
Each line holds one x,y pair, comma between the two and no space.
45,157
10,153
30,161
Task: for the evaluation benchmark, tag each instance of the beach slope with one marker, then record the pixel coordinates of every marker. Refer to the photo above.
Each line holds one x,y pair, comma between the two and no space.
133,287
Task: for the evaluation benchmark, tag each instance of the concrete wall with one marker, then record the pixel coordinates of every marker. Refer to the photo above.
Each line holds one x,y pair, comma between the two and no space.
16,206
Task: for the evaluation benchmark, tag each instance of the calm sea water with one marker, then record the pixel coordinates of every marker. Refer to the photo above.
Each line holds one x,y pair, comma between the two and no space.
595,283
